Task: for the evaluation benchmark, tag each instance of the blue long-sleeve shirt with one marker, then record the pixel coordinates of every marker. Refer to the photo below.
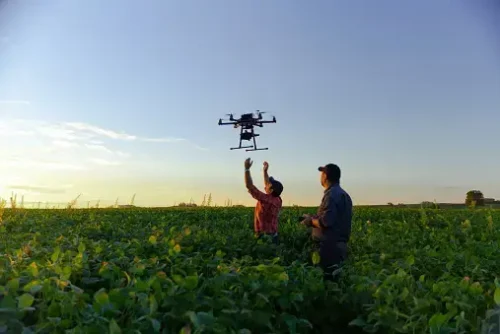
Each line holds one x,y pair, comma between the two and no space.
334,215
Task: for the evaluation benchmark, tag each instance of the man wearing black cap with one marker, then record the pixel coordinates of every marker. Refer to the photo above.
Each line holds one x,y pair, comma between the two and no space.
268,204
331,226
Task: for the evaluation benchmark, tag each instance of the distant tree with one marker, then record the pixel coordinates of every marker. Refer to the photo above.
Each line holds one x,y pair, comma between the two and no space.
186,205
429,205
474,198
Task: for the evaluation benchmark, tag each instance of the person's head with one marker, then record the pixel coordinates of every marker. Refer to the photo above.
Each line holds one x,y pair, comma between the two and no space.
330,175
274,187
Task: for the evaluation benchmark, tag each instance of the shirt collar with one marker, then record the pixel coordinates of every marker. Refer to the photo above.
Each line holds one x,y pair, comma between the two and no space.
331,187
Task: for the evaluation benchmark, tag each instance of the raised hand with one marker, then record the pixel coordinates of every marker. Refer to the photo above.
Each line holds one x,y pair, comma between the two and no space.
248,163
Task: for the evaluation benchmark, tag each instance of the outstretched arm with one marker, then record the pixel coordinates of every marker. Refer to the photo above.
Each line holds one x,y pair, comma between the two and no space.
248,179
252,189
266,176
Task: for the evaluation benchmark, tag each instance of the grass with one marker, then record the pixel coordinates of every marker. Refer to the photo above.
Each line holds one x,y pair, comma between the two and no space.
201,270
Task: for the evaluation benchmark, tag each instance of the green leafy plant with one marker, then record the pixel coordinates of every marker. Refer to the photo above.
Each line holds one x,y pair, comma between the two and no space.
201,270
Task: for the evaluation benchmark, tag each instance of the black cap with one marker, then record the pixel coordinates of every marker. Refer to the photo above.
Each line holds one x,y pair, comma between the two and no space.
277,186
332,172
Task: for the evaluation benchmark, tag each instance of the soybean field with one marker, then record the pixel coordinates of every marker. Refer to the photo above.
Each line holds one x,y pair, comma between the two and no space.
201,270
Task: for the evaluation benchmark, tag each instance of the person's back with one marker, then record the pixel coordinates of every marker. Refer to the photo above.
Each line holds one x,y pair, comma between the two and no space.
266,212
337,206
331,226
269,203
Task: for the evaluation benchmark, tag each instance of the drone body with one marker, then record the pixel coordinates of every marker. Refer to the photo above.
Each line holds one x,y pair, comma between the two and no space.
247,122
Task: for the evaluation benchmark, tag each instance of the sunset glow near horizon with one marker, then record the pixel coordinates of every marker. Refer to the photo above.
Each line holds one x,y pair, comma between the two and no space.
108,99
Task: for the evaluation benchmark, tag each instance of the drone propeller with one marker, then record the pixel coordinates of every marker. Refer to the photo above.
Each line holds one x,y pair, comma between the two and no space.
259,114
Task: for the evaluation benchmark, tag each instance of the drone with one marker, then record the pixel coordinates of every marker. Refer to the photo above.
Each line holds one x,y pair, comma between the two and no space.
246,123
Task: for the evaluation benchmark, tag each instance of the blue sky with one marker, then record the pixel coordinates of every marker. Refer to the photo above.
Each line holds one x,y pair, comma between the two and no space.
111,98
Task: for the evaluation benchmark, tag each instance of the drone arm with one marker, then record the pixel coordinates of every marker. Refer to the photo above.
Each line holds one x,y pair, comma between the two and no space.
262,122
227,123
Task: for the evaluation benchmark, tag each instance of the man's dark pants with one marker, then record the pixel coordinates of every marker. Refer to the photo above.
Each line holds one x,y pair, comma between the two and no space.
332,254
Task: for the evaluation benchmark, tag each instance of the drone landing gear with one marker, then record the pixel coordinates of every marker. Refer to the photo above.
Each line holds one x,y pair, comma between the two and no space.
258,149
240,147
249,136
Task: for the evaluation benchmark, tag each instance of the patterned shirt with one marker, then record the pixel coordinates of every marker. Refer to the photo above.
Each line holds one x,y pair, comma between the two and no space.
266,211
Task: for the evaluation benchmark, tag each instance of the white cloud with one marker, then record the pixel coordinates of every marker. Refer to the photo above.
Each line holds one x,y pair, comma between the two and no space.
64,143
41,189
104,162
97,131
122,154
200,148
73,131
163,140
87,128
70,146
36,165
98,147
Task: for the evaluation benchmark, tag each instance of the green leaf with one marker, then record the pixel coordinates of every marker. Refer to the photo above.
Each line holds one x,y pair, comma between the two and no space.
177,279
358,322
200,319
315,258
185,330
56,253
496,296
291,322
13,284
81,247
54,310
33,287
191,282
261,267
244,331
66,272
27,330
156,325
101,297
261,317
153,304
404,293
33,269
26,300
114,328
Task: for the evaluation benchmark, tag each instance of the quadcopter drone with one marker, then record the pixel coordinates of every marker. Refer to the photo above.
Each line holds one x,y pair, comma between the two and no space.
246,123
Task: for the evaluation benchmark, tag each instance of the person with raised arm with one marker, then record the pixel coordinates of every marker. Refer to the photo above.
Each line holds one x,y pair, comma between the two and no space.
269,202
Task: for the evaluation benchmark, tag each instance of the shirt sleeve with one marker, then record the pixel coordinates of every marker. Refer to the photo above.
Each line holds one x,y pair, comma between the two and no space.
258,195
